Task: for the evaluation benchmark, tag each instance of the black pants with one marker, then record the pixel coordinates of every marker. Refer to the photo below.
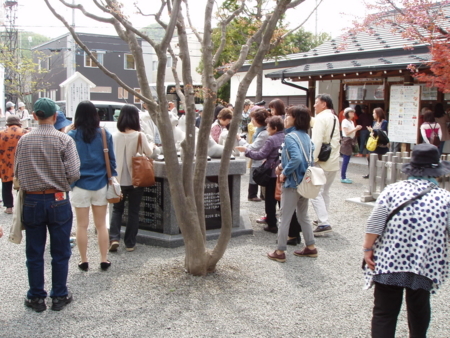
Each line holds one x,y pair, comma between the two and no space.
271,203
294,227
252,190
387,304
134,203
8,200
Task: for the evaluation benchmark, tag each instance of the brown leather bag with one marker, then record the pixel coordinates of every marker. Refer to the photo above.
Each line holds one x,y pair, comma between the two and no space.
142,168
278,189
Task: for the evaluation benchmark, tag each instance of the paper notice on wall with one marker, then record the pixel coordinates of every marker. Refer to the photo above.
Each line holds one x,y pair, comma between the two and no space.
404,114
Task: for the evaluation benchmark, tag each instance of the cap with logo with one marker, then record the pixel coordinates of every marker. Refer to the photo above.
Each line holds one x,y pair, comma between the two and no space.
46,106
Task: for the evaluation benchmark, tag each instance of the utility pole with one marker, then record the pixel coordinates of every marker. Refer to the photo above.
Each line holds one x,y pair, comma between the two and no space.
9,39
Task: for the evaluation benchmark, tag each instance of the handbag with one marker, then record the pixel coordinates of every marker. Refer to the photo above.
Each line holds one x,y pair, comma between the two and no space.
142,168
113,192
15,233
313,179
372,143
325,149
278,189
400,207
262,174
434,137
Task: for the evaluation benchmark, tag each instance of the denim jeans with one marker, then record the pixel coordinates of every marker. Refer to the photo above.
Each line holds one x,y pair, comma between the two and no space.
39,213
345,161
134,203
363,137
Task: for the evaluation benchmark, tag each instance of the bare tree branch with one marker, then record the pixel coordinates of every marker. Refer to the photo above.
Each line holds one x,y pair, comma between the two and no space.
223,26
188,14
151,103
294,29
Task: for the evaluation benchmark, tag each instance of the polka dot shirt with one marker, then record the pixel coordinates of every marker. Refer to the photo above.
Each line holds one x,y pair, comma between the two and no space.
415,240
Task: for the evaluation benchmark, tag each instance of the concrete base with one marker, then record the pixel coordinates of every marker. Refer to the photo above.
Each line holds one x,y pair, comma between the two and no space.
358,200
174,241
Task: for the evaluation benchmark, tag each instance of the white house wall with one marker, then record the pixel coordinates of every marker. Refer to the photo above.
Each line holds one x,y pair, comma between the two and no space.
271,87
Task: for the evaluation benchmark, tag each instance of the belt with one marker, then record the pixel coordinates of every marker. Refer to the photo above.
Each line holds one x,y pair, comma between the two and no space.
43,192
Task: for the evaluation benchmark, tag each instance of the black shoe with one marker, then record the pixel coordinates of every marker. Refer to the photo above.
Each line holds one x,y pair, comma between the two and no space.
58,303
366,176
293,241
105,265
37,304
273,230
83,266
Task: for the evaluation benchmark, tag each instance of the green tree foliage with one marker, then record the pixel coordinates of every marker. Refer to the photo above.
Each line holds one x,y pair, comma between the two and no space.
303,41
29,40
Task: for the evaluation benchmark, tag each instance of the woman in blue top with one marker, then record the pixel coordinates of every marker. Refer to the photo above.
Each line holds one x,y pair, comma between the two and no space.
291,170
90,189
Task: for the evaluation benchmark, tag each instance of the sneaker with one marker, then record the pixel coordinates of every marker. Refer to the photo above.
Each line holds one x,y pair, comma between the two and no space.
277,257
346,180
113,246
305,252
262,220
130,249
321,230
37,304
8,211
316,223
58,303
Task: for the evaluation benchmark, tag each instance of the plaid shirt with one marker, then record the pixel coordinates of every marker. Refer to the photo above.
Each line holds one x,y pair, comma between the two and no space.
46,159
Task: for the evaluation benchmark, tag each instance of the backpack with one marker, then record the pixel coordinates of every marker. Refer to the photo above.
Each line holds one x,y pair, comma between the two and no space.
383,139
434,137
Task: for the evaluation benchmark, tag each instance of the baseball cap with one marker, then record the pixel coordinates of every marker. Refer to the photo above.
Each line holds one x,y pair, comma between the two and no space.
9,104
21,104
46,106
61,121
348,110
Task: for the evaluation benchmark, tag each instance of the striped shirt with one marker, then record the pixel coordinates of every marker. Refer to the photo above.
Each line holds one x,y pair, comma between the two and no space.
46,159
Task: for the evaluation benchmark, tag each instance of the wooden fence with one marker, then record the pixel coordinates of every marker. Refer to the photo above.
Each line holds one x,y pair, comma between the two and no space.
388,170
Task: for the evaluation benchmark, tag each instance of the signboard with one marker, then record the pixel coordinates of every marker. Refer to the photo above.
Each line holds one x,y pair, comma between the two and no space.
77,88
404,113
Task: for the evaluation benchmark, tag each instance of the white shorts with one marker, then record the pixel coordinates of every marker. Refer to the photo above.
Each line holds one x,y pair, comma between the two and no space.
82,198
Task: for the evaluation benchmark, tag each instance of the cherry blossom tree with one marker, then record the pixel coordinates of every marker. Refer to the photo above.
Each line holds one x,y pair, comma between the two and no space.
418,21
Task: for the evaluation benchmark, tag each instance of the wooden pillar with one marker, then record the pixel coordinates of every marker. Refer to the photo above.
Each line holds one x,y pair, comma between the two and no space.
311,94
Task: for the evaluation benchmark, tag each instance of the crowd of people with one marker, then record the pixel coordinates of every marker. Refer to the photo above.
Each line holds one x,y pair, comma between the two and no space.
60,164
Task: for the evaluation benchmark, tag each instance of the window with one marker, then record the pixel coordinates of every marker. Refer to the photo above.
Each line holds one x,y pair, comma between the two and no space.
155,65
122,93
169,62
129,62
88,62
136,99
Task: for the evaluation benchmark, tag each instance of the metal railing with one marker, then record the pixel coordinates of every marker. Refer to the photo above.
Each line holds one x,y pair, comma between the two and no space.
388,170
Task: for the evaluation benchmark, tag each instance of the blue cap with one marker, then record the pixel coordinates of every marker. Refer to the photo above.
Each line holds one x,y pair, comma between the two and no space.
61,121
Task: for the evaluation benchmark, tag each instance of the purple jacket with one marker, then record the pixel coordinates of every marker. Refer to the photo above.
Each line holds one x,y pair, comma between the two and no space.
269,151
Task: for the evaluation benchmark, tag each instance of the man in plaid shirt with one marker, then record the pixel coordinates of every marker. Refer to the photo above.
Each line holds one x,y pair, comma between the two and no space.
46,163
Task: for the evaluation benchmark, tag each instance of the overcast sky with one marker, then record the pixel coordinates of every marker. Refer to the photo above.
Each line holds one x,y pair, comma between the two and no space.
33,15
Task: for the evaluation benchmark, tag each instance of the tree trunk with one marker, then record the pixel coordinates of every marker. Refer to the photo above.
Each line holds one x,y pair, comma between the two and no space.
259,86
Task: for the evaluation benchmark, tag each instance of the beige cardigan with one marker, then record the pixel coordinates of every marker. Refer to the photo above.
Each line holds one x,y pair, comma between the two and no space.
126,143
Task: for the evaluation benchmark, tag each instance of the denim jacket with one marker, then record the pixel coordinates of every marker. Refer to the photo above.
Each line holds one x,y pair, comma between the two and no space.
297,163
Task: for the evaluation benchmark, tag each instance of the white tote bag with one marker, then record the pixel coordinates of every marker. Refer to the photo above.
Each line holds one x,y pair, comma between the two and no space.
314,177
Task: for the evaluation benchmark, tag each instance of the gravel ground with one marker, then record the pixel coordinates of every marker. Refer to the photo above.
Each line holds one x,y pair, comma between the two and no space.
147,294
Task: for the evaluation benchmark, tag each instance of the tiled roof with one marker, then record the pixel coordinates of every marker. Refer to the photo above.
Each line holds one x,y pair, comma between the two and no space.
382,50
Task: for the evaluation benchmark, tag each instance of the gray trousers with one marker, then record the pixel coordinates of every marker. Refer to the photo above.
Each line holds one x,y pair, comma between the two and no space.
291,201
321,203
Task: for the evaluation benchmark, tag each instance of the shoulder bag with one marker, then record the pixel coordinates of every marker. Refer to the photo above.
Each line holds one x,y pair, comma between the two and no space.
325,150
113,192
142,168
262,174
372,143
314,177
434,137
400,207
